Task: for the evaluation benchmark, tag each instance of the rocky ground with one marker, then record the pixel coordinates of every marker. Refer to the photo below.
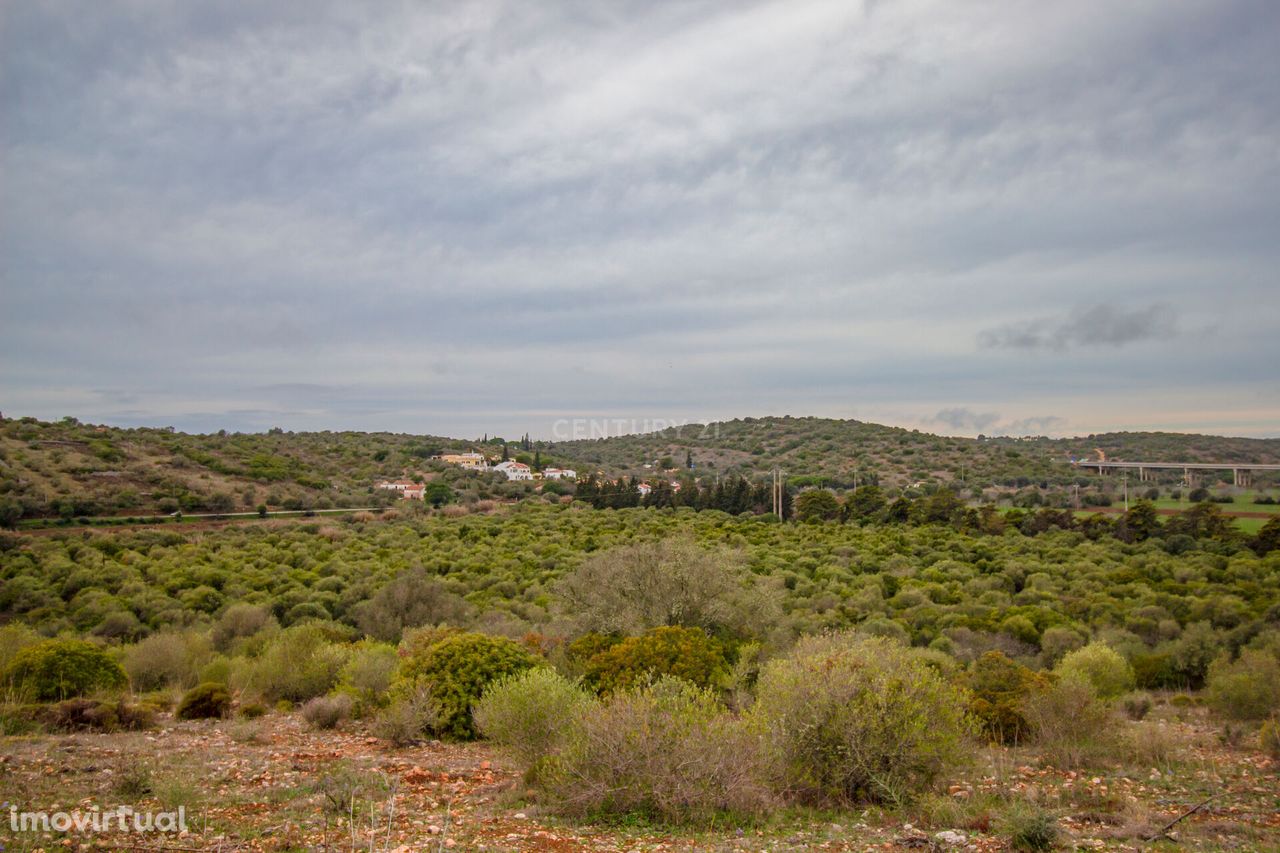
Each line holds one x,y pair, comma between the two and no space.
275,784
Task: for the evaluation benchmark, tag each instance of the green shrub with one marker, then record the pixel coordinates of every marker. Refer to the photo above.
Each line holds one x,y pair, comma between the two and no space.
1029,828
17,719
1247,688
686,653
133,782
531,713
408,718
238,622
325,712
673,581
91,715
998,687
61,669
409,601
664,751
253,710
1069,723
13,639
1269,739
1056,642
1100,666
1155,671
204,701
368,672
217,669
849,719
456,670
1136,705
166,660
299,663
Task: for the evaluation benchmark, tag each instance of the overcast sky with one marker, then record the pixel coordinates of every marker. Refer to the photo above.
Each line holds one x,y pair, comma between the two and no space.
1001,217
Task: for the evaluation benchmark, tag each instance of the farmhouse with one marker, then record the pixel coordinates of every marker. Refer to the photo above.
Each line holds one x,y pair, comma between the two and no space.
465,460
514,470
559,474
406,488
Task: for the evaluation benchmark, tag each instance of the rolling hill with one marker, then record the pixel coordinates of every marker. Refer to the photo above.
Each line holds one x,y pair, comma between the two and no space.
70,468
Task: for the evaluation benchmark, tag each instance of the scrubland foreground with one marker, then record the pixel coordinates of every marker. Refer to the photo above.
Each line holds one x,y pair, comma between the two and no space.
555,678
274,783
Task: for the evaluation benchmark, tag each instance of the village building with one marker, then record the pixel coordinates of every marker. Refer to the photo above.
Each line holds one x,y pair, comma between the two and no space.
514,470
406,488
465,460
560,474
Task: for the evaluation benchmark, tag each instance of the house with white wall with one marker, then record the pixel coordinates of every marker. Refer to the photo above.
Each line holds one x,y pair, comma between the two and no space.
514,470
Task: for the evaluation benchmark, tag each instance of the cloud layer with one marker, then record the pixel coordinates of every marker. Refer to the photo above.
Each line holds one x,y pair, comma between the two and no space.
486,216
1098,325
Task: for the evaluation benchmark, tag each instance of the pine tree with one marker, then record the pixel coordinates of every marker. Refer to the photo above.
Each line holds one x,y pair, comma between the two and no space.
688,459
506,453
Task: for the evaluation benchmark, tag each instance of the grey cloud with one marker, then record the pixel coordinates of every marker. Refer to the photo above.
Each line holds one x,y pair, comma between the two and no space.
698,208
967,421
1099,325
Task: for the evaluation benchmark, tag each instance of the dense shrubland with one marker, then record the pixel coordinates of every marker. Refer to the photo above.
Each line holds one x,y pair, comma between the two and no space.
674,663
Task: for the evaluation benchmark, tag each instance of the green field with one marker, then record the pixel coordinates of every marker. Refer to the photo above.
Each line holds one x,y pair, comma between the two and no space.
1242,502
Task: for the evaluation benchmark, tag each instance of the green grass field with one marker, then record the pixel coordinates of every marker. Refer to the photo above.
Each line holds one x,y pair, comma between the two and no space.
1240,503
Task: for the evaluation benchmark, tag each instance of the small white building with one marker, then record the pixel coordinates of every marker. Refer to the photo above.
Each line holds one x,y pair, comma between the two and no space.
406,488
559,474
514,470
644,489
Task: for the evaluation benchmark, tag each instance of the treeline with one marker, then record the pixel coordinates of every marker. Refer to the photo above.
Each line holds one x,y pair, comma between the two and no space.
734,495
1180,533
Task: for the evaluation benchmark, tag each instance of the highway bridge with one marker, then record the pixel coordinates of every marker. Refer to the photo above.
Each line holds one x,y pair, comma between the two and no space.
1241,470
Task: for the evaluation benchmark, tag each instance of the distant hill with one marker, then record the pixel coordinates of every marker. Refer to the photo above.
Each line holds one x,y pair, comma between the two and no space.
838,451
71,468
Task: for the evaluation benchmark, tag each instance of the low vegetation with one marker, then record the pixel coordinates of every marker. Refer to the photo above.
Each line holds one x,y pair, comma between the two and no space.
672,666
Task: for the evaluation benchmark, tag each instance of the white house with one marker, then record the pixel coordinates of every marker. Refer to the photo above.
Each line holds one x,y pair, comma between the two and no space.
406,488
559,474
514,470
644,489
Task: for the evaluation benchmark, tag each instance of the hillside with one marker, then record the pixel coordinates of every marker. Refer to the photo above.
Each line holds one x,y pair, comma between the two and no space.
837,451
70,468
73,469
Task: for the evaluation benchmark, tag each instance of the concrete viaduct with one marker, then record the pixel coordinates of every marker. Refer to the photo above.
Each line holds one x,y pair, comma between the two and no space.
1241,470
